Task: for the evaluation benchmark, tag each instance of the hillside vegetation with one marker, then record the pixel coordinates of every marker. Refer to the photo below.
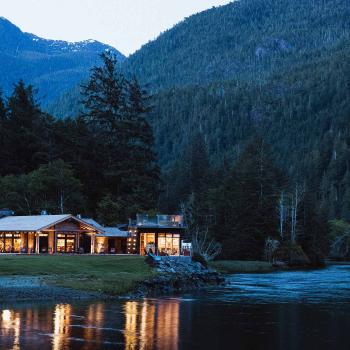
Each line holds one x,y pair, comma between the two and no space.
276,68
249,40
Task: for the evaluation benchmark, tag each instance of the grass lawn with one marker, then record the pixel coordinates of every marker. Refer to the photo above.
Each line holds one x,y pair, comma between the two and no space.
238,266
108,274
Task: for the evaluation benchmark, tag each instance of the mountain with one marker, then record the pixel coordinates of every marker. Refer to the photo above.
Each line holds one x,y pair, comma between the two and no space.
277,68
52,66
246,40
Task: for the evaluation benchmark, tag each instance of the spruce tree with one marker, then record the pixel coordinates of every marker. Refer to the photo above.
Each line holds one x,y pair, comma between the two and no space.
3,133
247,203
116,112
26,142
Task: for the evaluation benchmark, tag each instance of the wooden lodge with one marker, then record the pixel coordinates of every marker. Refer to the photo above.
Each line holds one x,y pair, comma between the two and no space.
57,234
53,234
46,234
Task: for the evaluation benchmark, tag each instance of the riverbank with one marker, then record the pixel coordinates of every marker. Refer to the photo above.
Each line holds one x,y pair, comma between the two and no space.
65,277
61,278
238,266
52,276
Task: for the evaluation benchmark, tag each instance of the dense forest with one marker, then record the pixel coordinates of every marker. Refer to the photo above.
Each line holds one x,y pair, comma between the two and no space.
101,163
248,40
249,110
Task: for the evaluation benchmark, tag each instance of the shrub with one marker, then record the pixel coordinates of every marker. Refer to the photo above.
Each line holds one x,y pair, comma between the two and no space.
196,257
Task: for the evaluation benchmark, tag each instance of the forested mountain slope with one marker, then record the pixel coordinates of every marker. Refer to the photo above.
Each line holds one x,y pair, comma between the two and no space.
249,39
304,115
277,68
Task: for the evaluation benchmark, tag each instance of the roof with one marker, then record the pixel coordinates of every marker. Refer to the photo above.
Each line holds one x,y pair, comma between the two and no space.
92,222
34,222
113,232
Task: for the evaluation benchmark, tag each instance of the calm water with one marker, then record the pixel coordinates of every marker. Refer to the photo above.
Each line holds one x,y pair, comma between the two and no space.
289,310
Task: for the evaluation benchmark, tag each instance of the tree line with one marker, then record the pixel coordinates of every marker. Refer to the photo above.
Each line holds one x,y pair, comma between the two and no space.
101,160
103,163
250,204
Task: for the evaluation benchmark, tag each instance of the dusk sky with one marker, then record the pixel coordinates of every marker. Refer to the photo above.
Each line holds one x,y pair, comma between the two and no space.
124,24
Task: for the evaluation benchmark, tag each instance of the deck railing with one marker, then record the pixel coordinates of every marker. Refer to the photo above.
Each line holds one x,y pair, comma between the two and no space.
144,220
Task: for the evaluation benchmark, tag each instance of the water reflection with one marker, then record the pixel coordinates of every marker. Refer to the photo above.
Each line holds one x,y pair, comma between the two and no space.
133,325
292,311
61,323
149,325
10,322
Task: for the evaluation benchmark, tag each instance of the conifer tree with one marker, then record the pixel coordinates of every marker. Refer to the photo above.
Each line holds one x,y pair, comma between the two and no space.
3,133
26,144
247,203
116,112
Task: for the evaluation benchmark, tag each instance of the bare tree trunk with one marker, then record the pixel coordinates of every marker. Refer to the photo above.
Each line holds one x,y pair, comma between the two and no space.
28,206
62,203
296,199
282,211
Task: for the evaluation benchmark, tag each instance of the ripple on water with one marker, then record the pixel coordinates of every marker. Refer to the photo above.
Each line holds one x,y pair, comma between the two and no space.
331,284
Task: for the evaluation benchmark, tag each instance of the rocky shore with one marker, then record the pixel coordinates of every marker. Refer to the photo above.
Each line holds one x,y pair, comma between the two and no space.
176,275
172,276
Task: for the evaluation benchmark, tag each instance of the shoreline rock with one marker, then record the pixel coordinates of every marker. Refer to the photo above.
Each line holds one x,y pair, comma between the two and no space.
175,275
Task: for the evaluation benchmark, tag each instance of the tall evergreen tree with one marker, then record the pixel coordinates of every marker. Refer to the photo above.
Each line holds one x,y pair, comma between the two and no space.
26,144
247,203
3,132
116,111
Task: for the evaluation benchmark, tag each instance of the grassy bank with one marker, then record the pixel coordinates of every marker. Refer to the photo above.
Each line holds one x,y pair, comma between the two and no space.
238,266
107,274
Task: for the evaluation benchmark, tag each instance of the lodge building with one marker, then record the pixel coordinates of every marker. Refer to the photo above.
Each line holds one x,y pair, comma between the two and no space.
58,234
160,234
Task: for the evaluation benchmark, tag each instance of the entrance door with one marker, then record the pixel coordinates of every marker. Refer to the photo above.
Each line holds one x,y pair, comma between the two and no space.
43,244
111,246
148,244
85,243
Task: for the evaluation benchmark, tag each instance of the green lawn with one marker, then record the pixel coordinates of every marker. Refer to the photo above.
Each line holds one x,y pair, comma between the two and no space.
109,274
238,266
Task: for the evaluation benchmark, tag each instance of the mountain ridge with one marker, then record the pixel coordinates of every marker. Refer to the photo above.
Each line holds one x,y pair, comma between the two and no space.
52,66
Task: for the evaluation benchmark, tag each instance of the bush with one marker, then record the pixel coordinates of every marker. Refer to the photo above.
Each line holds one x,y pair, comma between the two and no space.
196,257
293,254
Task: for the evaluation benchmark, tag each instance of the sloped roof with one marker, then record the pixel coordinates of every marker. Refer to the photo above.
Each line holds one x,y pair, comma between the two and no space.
92,222
30,222
113,232
35,222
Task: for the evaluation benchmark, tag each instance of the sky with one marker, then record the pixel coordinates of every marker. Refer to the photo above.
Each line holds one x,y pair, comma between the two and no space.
123,24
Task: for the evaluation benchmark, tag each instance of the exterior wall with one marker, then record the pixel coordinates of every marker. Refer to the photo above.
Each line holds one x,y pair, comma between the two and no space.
24,240
52,248
31,247
67,226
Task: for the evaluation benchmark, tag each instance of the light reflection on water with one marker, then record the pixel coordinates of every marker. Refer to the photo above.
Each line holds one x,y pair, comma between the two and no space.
289,310
130,325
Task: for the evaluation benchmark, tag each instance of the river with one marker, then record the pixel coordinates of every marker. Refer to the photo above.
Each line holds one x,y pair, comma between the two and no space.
283,310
